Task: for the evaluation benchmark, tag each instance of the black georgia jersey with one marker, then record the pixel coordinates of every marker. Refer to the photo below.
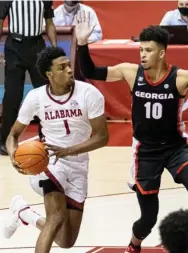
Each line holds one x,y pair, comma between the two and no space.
156,108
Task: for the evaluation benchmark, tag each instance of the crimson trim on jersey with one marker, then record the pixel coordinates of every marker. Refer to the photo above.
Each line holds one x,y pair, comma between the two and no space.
69,200
57,101
161,80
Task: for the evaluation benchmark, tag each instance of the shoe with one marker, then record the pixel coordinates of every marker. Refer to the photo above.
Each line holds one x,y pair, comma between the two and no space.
3,150
17,205
10,226
130,249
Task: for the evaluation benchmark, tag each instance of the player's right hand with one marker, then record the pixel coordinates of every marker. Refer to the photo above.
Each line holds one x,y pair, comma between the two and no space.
15,164
83,29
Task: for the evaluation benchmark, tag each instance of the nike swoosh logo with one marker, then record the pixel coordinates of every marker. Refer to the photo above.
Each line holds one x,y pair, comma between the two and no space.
140,84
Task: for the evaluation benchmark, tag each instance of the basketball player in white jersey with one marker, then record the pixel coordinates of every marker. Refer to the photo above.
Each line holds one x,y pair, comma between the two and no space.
69,111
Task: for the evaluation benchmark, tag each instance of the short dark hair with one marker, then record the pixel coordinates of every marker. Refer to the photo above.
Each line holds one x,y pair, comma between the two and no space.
155,33
174,231
45,58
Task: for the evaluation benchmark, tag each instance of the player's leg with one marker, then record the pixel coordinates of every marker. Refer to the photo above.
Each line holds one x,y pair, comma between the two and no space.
148,168
56,216
75,220
149,207
68,233
24,214
54,200
177,165
76,192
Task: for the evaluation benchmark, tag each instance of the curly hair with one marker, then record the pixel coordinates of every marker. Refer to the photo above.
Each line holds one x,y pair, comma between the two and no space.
155,33
45,58
174,231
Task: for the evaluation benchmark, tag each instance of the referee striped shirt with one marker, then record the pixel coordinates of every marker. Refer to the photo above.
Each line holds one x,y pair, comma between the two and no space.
25,17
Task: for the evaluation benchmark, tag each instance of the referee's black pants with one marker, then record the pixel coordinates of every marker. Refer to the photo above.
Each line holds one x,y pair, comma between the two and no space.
20,56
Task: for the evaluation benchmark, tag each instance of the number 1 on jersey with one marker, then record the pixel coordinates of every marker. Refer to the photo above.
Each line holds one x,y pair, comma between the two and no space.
154,111
66,126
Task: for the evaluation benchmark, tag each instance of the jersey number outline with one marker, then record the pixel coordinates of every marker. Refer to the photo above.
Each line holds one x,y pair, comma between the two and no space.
66,126
154,110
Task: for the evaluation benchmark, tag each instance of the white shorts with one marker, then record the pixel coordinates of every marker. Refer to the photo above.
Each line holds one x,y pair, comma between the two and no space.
71,176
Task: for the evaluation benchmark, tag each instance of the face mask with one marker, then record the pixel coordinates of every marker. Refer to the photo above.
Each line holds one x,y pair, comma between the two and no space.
183,11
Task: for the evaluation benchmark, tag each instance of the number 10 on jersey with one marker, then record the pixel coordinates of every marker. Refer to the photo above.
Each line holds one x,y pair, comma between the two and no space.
153,110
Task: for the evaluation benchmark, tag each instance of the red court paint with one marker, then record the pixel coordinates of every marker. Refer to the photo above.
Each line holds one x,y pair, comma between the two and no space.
122,250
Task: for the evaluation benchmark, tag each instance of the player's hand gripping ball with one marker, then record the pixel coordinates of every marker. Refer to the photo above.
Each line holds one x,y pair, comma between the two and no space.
31,157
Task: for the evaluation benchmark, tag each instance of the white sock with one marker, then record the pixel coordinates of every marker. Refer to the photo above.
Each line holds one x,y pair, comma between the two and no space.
29,216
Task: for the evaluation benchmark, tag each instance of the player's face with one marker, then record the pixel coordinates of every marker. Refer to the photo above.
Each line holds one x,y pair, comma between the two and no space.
151,54
61,72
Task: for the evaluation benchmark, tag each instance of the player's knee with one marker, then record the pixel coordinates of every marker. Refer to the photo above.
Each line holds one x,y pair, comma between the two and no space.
151,221
55,220
65,245
67,240
142,227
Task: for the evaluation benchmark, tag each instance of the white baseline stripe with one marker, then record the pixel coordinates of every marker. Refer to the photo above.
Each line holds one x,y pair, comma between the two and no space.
98,250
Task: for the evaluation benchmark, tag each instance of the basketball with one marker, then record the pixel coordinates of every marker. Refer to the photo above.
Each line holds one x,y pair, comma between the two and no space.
32,157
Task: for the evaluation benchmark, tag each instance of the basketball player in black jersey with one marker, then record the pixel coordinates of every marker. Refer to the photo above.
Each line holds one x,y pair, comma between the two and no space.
158,91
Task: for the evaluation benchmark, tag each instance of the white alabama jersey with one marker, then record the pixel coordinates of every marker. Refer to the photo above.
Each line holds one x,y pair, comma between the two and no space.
64,119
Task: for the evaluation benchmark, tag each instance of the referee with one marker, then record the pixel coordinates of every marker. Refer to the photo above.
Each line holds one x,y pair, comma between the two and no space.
24,42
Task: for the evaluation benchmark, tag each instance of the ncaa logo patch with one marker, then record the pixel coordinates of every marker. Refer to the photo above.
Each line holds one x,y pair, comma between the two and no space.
74,104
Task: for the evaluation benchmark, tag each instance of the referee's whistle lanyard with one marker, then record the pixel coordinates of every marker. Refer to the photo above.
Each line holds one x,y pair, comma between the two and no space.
74,14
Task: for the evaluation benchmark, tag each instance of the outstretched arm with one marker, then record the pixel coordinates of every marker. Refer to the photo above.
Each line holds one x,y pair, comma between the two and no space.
123,71
91,71
83,31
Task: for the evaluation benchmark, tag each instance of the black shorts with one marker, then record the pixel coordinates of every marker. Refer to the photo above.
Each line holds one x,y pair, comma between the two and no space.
150,161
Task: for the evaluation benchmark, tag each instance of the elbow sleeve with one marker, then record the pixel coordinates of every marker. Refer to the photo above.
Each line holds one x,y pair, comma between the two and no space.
87,66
